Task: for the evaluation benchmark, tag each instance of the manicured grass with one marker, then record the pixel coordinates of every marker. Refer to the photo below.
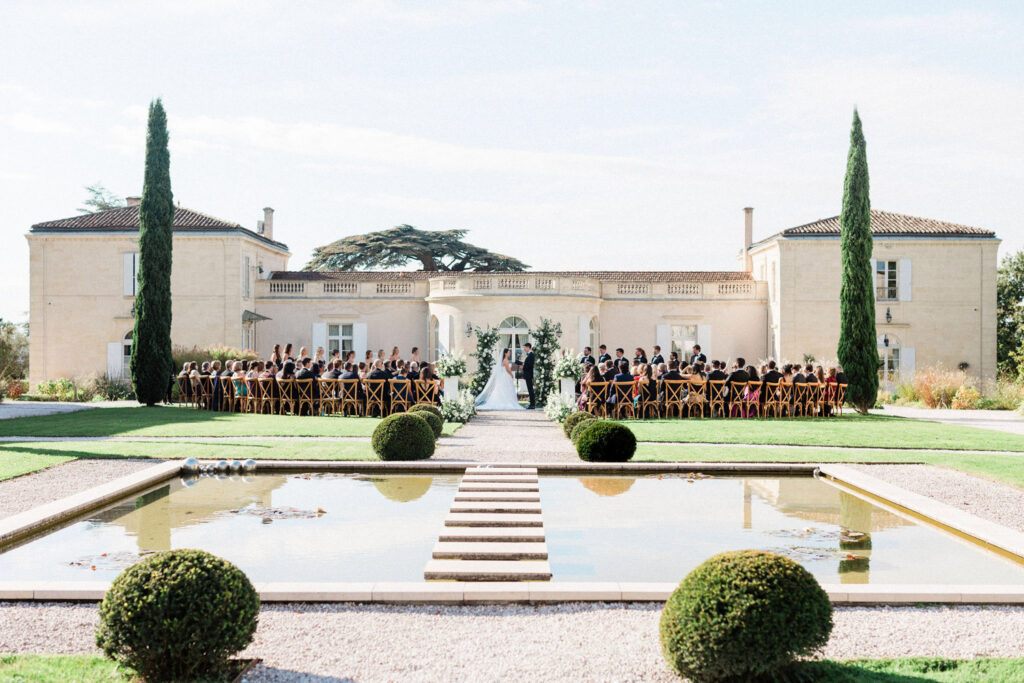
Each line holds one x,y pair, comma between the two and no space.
850,430
910,669
1005,468
79,668
14,464
187,422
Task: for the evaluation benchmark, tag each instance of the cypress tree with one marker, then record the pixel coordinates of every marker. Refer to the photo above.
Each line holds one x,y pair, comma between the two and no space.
858,345
151,364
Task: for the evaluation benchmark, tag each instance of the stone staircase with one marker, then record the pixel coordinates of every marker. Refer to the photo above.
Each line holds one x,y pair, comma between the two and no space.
494,530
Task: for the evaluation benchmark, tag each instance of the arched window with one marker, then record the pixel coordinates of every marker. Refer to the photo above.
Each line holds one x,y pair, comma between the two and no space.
434,340
513,332
126,355
889,355
592,340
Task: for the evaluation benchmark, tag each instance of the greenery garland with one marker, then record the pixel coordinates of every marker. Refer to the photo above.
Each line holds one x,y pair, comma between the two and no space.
545,349
485,340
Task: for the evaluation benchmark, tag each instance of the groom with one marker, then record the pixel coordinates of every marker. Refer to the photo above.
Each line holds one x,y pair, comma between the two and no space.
527,367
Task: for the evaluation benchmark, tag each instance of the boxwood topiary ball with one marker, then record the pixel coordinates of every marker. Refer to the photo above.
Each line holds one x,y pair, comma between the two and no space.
403,436
178,615
573,419
578,429
436,423
423,407
742,615
606,442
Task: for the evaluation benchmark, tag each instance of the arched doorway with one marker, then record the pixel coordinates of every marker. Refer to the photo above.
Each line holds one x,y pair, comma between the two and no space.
434,339
889,348
126,355
513,332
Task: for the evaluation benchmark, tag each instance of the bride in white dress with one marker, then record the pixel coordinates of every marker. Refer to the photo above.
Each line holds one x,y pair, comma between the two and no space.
500,391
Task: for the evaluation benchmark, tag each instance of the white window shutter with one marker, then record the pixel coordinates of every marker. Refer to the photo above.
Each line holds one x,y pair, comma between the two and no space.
444,326
904,279
907,361
128,274
359,340
704,339
115,360
663,338
583,325
319,337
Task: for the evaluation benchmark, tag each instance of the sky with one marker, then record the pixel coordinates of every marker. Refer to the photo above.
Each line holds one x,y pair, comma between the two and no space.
581,135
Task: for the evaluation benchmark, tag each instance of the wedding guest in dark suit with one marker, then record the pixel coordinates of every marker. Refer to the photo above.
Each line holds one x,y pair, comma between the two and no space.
379,372
352,372
586,357
657,358
603,357
620,355
770,377
639,357
607,371
673,356
716,374
697,356
738,374
623,374
414,371
334,371
840,375
306,371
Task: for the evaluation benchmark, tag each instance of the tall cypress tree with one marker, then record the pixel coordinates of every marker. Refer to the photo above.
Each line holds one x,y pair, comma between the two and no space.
151,363
858,345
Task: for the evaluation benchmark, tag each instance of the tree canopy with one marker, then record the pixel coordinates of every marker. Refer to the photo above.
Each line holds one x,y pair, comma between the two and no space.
436,250
1010,312
100,199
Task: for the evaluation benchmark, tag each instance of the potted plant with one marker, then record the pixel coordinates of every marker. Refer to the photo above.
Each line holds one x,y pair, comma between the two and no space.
451,366
568,371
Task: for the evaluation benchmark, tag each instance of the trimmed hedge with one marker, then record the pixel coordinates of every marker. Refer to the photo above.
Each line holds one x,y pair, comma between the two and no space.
436,423
744,615
604,441
178,615
578,429
424,408
573,419
403,436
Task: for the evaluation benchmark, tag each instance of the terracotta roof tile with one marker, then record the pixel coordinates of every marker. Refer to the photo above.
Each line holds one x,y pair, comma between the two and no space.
602,275
886,223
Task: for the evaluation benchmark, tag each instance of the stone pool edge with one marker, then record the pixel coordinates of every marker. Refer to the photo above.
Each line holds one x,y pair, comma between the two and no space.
35,520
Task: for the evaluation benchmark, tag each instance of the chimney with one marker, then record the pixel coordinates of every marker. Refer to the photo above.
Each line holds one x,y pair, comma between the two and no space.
132,201
268,222
748,238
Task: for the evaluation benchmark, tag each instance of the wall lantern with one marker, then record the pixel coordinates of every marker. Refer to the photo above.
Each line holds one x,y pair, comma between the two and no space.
558,330
469,330
885,340
888,315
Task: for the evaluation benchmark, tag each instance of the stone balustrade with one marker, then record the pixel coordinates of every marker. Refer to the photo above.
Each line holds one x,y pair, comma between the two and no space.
341,289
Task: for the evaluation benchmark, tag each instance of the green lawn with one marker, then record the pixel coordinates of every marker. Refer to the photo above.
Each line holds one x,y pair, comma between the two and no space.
850,430
14,463
45,668
187,422
1006,468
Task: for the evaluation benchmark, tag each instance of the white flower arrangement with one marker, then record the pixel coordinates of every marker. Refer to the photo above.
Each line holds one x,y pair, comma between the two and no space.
558,408
459,409
568,366
451,365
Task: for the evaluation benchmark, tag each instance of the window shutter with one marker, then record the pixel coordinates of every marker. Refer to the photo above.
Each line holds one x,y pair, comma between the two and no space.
583,325
704,339
663,338
907,361
115,360
443,334
128,273
904,279
319,337
359,340
245,277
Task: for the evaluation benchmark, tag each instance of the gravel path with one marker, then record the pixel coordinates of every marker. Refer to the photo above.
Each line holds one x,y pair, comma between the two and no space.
1000,503
999,420
29,490
513,436
599,642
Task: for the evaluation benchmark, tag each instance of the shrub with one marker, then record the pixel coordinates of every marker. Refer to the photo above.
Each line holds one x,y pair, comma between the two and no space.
436,423
743,615
178,615
113,389
581,425
606,442
557,408
966,398
574,419
936,386
403,436
426,408
201,354
15,390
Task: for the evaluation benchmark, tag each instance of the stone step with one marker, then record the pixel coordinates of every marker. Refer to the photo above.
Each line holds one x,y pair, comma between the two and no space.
487,570
490,551
500,479
491,506
497,486
501,470
483,534
522,496
493,519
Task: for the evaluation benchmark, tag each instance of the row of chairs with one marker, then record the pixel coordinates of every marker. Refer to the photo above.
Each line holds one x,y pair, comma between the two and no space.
710,399
269,395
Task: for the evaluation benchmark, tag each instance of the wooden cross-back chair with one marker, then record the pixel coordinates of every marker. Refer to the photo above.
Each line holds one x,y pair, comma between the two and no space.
305,397
648,401
696,396
751,399
426,392
348,396
623,398
736,398
185,392
401,391
775,398
839,399
716,397
328,396
268,395
204,399
597,398
375,396
286,396
252,395
674,401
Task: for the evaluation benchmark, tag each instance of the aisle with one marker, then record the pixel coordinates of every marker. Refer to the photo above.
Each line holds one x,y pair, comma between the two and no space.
508,437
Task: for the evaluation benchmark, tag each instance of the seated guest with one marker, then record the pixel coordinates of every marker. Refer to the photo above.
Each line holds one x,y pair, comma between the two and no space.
589,377
237,380
352,372
787,373
414,370
603,356
608,373
623,374
403,391
363,368
798,375
287,371
427,375
255,368
738,374
770,376
647,388
809,375
306,371
333,370
670,374
660,370
830,390
716,373
751,393
657,358
639,357
840,375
